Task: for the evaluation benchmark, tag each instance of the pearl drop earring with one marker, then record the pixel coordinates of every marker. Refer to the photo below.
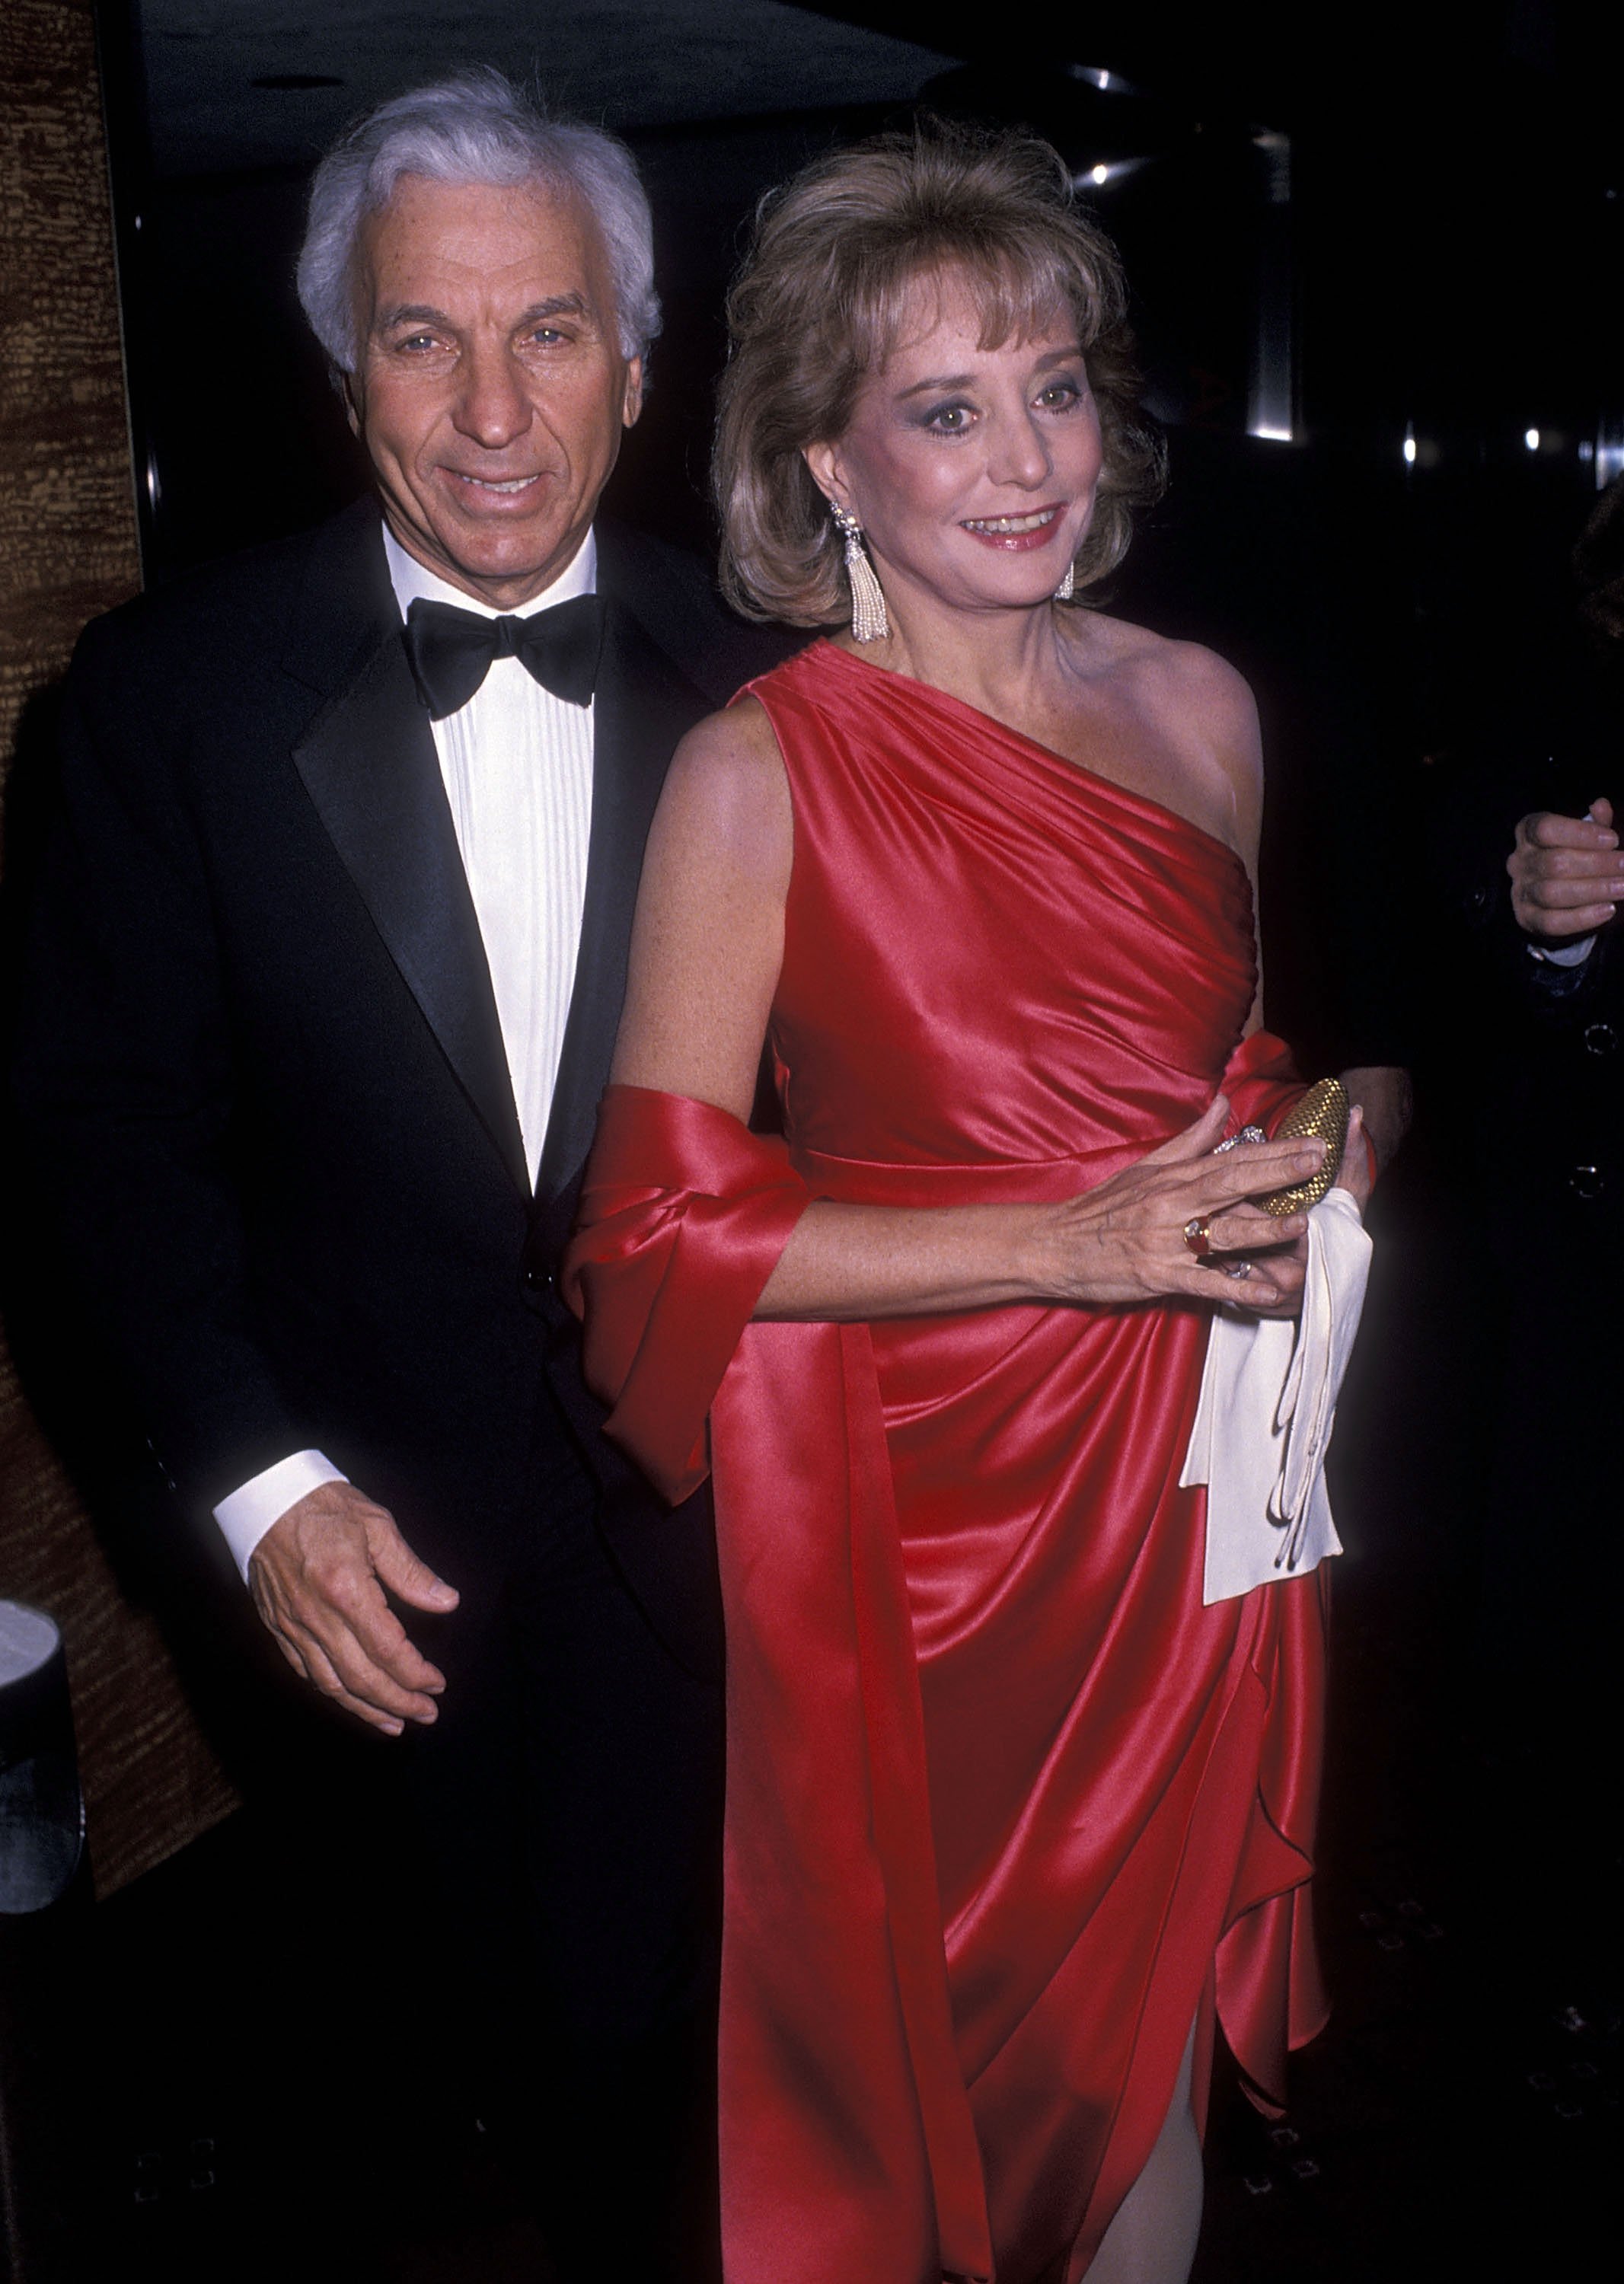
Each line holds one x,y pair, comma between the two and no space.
869,620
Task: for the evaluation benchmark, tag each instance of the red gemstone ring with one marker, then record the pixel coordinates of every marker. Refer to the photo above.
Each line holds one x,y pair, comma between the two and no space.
1196,1239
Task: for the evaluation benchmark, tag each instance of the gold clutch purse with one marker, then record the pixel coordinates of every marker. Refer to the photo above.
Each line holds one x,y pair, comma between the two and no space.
1323,1111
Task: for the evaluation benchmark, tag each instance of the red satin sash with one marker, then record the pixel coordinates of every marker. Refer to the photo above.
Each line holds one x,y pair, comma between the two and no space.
1007,1807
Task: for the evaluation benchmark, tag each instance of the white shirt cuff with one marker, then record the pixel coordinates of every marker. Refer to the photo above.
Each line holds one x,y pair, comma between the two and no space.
1567,955
249,1513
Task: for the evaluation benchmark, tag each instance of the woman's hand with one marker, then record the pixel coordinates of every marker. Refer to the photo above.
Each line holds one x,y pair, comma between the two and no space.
1126,1241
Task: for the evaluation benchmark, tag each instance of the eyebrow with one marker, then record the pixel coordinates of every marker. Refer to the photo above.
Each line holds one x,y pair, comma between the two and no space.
418,313
968,379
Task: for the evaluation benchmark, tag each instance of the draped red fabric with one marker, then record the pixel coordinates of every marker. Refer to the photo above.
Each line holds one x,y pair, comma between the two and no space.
1007,1806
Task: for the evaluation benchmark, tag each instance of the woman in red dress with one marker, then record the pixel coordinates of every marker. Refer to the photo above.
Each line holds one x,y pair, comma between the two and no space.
1012,1815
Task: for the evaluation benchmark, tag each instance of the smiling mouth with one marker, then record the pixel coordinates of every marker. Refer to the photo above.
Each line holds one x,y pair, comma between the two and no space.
502,487
1011,527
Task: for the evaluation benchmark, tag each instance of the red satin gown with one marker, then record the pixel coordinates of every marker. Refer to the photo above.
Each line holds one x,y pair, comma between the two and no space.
1008,1809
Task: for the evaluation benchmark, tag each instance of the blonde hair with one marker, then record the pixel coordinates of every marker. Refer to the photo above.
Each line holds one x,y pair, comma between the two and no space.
816,305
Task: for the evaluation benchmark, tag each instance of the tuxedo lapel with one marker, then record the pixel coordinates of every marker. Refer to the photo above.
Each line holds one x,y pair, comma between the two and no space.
644,705
368,764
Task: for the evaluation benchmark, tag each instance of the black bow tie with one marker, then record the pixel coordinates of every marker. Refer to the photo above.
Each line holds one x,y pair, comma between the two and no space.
450,651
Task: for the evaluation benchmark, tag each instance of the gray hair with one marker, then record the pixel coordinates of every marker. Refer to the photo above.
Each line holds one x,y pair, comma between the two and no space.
475,127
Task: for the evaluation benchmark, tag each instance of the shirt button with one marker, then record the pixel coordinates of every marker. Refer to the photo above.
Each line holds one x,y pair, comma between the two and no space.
1587,1181
1601,1038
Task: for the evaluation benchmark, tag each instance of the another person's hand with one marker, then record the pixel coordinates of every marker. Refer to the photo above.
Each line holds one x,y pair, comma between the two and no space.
1127,1240
1386,1100
318,1578
1567,873
1354,1173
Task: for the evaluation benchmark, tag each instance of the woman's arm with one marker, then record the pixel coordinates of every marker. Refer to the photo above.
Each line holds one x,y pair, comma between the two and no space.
706,950
1211,718
707,941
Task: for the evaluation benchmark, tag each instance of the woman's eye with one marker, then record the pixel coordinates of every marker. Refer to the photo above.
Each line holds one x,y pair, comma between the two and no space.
1060,395
950,420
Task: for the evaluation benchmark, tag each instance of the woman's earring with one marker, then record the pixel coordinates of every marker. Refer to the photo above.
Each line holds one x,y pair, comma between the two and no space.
869,620
1062,593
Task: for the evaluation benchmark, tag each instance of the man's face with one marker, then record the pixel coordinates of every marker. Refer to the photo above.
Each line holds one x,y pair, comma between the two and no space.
491,391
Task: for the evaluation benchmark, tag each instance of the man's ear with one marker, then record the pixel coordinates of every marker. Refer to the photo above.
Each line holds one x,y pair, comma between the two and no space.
352,402
631,403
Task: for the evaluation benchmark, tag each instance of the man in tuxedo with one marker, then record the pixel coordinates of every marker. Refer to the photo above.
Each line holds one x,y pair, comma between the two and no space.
326,967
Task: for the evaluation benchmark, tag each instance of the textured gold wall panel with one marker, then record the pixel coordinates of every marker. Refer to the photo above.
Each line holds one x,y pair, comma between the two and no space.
68,549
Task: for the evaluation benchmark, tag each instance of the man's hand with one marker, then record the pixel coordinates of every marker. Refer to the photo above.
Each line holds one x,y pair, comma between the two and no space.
318,1578
1567,873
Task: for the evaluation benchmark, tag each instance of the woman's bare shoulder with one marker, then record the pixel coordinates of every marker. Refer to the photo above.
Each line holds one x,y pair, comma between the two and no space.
726,796
1191,719
1176,677
1196,700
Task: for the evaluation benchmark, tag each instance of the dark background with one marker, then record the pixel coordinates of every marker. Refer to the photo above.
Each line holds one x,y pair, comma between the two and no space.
1351,231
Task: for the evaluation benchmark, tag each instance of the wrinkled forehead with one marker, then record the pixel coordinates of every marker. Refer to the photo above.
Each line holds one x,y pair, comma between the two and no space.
999,297
471,228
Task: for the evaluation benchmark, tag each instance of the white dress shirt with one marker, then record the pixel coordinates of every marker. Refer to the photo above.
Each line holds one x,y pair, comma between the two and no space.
517,766
1562,955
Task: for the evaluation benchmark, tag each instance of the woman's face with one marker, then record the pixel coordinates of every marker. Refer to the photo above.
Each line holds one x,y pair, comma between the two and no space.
971,470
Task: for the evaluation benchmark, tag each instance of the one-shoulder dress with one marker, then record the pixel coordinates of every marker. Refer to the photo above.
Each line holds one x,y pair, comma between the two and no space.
1008,1808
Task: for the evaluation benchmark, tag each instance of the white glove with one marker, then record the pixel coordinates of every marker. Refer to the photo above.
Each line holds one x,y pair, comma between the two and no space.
1267,1408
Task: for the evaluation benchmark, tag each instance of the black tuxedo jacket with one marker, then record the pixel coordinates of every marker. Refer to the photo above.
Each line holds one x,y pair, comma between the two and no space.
260,1057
